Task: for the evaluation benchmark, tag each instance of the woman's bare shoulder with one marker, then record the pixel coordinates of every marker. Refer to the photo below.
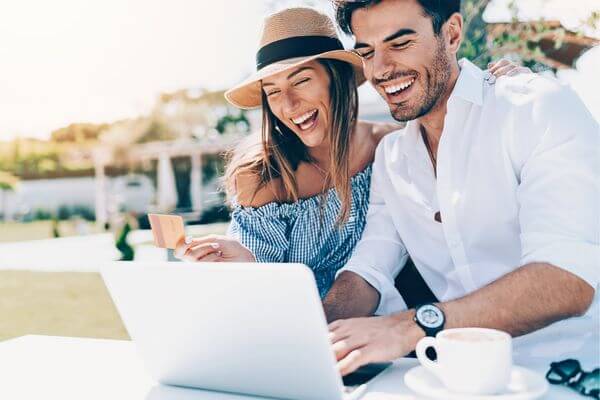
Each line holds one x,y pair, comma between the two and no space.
366,137
377,130
251,192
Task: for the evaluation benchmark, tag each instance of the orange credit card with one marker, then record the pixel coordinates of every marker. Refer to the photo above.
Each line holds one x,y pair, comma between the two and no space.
168,230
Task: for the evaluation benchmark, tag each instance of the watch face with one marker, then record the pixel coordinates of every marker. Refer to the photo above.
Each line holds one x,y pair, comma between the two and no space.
430,316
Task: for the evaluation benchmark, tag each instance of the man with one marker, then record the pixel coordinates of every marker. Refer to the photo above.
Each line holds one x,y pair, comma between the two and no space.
492,189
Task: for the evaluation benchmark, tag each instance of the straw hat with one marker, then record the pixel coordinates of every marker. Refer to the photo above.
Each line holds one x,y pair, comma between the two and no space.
291,37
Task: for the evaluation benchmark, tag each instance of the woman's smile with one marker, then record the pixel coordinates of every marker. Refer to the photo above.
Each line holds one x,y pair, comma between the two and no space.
307,121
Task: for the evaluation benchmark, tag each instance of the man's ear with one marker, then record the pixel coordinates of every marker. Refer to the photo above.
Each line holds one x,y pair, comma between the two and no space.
453,32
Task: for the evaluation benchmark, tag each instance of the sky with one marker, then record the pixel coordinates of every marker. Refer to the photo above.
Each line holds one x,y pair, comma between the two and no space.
65,61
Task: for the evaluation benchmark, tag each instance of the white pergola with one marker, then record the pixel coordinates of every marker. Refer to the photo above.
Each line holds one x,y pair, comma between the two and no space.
163,151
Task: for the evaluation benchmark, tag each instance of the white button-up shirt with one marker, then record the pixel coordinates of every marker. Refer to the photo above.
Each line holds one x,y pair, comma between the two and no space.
517,182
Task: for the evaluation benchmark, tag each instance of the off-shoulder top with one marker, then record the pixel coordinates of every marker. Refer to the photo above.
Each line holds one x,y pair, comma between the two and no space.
305,231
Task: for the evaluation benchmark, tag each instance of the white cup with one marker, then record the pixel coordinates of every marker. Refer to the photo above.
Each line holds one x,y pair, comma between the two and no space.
469,360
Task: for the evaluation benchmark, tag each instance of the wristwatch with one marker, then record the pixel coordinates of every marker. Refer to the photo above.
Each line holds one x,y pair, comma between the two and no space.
430,318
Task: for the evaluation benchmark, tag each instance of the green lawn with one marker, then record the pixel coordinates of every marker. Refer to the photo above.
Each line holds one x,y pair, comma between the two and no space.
57,303
60,303
18,231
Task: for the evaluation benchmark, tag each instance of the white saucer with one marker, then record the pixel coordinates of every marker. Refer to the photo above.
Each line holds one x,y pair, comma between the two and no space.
525,384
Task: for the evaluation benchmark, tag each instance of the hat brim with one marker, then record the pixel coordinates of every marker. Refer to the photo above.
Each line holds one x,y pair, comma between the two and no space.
247,95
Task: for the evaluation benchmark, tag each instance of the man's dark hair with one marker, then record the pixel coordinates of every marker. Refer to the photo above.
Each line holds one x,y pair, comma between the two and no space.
438,10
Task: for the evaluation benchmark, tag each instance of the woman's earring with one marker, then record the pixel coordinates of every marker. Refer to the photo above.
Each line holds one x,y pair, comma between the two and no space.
276,127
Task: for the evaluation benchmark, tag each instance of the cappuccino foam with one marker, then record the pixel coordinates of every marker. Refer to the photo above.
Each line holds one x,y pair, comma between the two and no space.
472,336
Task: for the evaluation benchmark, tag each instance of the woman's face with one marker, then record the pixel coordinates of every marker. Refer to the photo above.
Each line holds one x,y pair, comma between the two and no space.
300,99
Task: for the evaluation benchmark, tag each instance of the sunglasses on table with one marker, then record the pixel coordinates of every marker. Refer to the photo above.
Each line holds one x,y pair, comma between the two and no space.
569,373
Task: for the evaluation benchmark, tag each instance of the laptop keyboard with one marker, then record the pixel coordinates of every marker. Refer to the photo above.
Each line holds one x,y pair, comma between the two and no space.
363,375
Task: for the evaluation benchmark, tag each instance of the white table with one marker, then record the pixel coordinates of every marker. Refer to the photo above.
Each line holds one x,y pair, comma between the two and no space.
47,367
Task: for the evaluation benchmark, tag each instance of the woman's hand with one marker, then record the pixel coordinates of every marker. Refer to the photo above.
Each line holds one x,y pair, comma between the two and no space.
504,67
213,248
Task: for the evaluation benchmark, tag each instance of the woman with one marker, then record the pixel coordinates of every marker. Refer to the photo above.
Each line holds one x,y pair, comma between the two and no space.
299,193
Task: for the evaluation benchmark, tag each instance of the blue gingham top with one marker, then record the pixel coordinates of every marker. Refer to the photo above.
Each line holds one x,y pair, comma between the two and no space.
305,231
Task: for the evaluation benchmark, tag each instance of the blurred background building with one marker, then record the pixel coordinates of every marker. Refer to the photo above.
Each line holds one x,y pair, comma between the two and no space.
167,161
169,158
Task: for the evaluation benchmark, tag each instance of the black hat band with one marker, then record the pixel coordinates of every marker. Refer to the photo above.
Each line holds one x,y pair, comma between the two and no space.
297,46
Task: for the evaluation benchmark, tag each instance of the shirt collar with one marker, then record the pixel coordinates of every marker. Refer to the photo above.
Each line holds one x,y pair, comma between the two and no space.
412,135
469,85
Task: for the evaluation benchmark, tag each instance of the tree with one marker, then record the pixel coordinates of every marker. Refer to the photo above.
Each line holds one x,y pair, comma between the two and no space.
8,182
475,42
234,122
78,133
530,43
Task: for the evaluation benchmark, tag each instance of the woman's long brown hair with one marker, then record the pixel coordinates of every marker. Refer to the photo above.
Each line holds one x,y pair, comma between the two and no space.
280,151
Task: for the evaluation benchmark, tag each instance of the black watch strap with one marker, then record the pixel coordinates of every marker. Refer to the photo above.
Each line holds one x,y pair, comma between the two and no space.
430,318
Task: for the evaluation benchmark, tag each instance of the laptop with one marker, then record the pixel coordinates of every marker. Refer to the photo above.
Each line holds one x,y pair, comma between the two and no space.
256,329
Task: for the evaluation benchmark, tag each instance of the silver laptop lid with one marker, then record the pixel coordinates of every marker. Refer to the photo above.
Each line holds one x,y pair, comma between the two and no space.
243,328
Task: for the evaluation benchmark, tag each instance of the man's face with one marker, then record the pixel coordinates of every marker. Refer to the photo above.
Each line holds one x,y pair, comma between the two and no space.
406,62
